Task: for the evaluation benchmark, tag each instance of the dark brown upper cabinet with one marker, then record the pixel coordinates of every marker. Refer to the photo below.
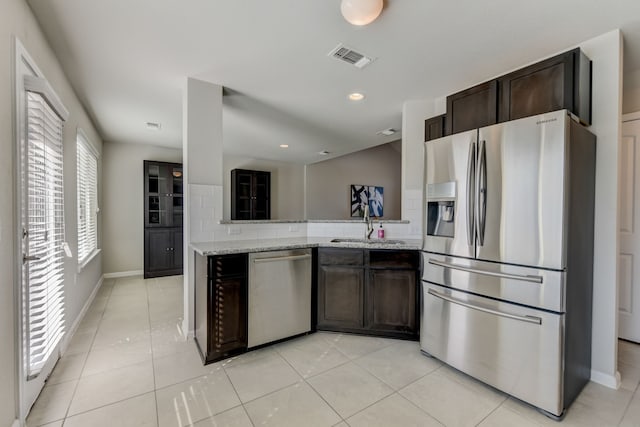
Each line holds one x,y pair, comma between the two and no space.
434,127
472,108
561,82
250,194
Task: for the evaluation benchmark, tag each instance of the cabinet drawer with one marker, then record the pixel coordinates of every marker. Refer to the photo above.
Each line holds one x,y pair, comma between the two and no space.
394,259
341,257
227,265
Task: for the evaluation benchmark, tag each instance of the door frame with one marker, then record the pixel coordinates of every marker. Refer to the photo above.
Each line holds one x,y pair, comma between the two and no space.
629,117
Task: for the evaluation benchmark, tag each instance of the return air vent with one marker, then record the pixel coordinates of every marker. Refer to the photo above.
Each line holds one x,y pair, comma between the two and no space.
350,56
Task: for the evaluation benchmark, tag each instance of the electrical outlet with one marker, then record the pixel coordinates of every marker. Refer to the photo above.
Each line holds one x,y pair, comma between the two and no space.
234,230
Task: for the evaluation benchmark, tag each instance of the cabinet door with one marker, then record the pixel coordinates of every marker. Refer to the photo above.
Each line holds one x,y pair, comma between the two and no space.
340,297
391,301
177,252
228,316
472,108
261,195
241,194
158,255
561,82
434,127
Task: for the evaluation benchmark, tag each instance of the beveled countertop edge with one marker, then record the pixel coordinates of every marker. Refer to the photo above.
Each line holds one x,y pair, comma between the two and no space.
264,245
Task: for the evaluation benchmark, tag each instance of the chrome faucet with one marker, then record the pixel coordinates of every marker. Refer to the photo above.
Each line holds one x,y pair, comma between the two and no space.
367,219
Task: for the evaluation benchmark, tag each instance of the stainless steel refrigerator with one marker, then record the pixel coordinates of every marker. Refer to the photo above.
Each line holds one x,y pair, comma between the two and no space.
508,256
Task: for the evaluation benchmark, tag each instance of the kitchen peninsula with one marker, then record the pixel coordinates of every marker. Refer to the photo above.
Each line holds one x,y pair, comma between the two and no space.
243,285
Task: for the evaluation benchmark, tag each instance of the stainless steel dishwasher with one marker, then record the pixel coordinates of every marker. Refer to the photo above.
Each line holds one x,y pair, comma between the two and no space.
279,295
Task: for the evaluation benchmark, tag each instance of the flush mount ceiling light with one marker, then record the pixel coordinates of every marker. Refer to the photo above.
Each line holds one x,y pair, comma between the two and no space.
361,12
284,145
355,96
387,132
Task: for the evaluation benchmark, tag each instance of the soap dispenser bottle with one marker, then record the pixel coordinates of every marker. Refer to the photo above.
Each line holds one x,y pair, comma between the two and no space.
380,232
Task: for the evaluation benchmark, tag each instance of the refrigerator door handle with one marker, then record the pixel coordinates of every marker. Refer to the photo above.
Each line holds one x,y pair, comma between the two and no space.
526,318
528,278
481,192
471,174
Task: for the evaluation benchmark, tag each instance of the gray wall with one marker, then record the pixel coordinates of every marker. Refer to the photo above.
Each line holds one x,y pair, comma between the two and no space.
122,207
631,92
329,182
16,19
287,185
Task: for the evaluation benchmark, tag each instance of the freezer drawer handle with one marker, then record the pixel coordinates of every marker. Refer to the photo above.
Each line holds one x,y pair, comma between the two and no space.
282,258
533,279
528,319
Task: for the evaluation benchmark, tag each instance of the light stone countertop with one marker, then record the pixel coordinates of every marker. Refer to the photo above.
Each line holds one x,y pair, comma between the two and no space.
314,221
263,245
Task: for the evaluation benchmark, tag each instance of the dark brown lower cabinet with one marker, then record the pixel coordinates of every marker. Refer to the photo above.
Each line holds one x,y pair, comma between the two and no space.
163,252
391,301
340,302
221,305
368,291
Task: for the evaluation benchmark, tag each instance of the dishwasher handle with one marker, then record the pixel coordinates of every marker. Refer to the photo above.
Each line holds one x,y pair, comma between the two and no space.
282,258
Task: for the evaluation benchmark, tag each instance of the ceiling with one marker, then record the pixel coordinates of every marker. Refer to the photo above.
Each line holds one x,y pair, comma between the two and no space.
128,62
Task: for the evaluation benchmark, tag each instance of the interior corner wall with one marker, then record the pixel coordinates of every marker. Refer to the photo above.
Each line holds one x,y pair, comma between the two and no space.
605,53
122,209
287,185
631,92
17,20
328,191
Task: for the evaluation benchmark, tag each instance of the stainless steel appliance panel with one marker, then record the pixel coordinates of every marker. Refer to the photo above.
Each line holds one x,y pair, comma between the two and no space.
515,349
279,295
523,285
447,161
520,191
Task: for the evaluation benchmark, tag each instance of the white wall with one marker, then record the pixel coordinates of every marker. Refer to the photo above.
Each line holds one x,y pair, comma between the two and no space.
123,202
328,189
16,19
287,185
605,53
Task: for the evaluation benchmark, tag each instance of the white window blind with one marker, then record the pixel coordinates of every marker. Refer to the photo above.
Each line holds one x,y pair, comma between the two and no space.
44,232
87,162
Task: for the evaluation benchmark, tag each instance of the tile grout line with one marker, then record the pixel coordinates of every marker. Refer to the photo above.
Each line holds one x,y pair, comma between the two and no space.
75,389
153,365
237,395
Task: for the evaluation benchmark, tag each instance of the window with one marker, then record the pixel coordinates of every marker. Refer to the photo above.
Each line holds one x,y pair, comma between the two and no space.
87,163
43,224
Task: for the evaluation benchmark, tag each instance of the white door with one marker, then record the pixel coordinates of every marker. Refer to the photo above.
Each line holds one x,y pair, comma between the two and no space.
40,117
629,257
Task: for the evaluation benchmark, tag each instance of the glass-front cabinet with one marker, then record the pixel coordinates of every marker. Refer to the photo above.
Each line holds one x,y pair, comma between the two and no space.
163,211
163,194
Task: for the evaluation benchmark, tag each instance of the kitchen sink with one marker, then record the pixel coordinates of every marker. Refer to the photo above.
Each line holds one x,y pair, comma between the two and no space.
370,241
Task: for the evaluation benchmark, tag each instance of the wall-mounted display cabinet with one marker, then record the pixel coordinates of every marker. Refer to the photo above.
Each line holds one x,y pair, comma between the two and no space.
250,194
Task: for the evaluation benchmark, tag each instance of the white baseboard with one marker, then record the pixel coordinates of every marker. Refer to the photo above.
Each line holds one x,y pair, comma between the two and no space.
78,319
607,380
16,423
123,274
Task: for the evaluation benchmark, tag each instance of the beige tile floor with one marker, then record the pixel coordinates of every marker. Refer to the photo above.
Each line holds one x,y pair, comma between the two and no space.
128,365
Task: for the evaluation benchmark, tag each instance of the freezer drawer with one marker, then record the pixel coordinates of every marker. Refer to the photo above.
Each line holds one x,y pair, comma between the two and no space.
513,348
523,285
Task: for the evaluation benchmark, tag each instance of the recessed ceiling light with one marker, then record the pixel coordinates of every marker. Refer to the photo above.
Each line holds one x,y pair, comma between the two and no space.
355,96
324,152
153,126
284,145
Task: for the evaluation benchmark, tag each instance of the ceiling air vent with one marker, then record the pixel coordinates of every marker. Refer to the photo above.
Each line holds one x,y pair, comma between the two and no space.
350,56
